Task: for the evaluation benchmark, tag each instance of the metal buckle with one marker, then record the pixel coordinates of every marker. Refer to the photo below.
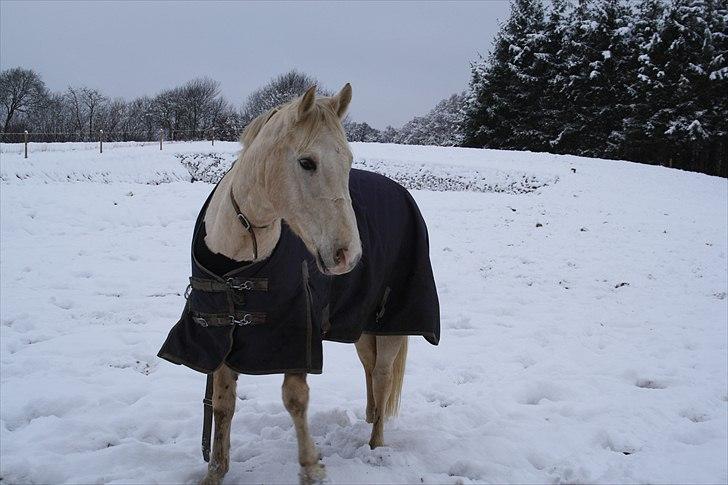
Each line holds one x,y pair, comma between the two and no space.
246,320
246,285
200,321
244,221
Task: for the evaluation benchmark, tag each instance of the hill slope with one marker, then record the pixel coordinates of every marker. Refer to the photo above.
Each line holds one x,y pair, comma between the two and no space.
584,325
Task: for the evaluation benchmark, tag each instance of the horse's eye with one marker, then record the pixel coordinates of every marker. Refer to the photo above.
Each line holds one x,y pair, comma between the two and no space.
307,164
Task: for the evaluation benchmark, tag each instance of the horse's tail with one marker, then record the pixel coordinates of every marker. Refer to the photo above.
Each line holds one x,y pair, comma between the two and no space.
395,395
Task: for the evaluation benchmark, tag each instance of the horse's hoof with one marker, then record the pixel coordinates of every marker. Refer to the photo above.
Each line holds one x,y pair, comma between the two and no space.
211,480
312,474
375,443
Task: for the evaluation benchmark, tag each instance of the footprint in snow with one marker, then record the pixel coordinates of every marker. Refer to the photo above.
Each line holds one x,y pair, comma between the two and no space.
694,415
467,469
466,377
537,392
526,361
695,436
322,422
62,303
608,443
381,456
650,384
140,366
440,399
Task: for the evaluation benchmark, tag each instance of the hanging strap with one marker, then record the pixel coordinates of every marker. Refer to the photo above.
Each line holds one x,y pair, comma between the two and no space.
246,224
207,417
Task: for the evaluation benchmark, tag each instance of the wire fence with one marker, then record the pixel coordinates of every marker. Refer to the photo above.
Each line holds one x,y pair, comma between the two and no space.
28,138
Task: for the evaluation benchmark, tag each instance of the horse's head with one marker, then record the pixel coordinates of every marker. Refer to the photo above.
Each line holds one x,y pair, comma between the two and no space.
301,158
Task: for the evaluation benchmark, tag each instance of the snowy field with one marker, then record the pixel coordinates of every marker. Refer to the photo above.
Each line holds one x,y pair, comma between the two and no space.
584,316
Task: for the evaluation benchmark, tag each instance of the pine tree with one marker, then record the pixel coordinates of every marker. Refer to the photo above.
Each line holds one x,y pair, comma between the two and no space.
603,79
598,65
637,143
356,131
388,135
506,86
441,126
553,50
688,84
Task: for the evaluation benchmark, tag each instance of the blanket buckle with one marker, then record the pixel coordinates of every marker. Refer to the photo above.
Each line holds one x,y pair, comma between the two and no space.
245,285
200,321
246,320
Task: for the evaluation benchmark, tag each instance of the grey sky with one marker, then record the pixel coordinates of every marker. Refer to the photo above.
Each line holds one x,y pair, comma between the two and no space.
401,58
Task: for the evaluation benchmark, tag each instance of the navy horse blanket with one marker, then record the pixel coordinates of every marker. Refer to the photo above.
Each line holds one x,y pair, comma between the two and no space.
271,316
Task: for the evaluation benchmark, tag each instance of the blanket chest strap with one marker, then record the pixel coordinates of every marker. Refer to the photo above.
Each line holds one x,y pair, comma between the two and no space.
240,284
225,320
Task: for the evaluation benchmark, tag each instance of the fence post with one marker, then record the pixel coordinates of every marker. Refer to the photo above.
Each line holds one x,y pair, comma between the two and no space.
25,137
213,136
161,135
101,141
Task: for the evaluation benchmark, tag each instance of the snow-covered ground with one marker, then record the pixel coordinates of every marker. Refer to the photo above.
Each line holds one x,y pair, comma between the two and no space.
584,324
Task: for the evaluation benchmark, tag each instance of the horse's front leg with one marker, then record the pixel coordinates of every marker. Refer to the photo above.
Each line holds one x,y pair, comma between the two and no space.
295,399
223,408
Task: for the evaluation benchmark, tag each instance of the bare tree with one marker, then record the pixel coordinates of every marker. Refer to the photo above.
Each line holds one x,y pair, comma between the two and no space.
111,114
92,99
278,91
53,117
76,108
84,104
167,111
199,100
20,90
140,121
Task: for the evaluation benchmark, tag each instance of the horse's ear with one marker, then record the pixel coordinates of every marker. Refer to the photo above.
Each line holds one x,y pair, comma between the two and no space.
253,128
306,103
341,101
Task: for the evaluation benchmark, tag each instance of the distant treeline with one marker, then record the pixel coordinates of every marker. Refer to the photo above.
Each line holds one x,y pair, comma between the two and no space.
644,81
192,111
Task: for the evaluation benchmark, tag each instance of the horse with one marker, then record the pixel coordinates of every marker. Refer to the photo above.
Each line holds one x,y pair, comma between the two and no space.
293,178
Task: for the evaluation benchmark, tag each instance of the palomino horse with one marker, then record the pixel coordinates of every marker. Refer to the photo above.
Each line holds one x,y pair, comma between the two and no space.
295,167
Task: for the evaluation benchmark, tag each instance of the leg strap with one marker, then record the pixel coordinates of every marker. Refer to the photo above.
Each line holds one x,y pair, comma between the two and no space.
207,417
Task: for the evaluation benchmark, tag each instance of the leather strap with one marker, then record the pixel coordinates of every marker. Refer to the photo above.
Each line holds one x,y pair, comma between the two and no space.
211,286
226,320
207,417
246,224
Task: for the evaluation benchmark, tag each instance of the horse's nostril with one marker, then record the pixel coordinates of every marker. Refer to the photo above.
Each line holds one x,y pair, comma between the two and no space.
340,255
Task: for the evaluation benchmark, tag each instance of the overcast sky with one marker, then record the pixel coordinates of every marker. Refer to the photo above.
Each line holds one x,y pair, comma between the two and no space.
401,58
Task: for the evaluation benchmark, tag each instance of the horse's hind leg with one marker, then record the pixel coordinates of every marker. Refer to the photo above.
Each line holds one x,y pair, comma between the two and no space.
366,348
295,399
387,378
223,407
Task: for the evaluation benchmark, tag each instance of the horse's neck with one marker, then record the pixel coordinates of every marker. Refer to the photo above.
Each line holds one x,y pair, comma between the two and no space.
225,234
